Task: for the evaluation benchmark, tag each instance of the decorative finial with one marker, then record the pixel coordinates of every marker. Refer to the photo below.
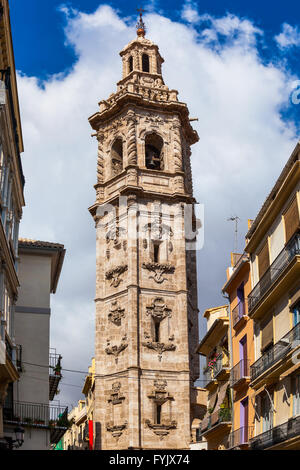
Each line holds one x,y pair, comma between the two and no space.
141,29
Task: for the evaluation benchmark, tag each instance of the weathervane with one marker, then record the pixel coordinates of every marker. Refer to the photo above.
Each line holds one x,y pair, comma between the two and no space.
141,29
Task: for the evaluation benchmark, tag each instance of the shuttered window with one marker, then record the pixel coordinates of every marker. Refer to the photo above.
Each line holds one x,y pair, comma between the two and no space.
291,220
263,260
267,333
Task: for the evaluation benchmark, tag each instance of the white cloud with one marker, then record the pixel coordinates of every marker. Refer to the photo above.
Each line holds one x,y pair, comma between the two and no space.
190,12
244,144
289,36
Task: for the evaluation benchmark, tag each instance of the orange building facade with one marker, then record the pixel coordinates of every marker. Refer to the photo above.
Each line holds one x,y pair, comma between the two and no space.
237,288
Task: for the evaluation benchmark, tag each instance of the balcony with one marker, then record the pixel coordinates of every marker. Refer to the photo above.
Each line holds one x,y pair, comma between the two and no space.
240,373
276,353
54,374
217,371
40,416
241,437
6,100
218,421
285,434
284,270
239,314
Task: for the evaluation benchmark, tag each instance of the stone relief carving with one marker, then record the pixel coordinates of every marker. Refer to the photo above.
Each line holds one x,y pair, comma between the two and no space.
161,430
160,396
114,274
100,159
176,128
116,313
116,396
116,349
159,270
160,348
116,430
158,309
131,138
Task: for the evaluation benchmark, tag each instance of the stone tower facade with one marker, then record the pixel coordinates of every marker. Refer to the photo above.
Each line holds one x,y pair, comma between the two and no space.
146,287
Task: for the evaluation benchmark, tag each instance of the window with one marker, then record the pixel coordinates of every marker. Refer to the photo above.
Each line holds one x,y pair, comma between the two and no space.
153,151
130,64
117,156
156,331
156,246
267,413
291,220
145,63
296,314
158,414
296,395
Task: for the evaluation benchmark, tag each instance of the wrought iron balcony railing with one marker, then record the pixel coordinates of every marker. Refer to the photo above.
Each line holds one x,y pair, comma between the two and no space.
240,436
36,414
239,372
277,435
54,373
222,415
238,313
211,373
273,272
277,352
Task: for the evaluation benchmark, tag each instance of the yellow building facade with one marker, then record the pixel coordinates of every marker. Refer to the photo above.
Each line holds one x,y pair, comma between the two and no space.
273,246
216,424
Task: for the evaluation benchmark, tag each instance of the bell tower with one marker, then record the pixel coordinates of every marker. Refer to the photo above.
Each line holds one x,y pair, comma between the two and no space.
146,285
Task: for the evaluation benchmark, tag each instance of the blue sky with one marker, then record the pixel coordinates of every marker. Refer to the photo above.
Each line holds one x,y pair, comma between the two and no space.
39,38
234,64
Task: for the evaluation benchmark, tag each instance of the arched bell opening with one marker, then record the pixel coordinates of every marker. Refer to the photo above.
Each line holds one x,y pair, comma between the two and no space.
154,152
145,63
117,156
130,64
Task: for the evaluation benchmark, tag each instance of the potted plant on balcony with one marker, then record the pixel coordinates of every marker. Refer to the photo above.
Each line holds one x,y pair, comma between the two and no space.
27,420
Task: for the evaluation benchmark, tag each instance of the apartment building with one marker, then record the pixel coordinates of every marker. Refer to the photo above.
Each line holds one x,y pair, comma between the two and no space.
237,288
216,424
28,400
11,204
273,246
80,436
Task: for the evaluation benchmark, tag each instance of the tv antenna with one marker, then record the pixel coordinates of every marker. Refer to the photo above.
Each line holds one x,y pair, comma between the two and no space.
236,220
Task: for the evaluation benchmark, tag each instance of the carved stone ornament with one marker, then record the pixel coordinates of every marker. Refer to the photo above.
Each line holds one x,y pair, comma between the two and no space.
116,430
160,348
116,313
114,274
115,394
159,270
116,349
114,235
158,230
158,310
161,430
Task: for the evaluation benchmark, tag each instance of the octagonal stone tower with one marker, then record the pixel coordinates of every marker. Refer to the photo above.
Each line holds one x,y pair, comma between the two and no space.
146,286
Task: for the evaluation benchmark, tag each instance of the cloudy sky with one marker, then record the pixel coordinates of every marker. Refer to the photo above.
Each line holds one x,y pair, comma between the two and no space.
236,68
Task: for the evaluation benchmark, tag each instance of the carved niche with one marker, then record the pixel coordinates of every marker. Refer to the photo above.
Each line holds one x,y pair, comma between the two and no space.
158,311
160,396
116,398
